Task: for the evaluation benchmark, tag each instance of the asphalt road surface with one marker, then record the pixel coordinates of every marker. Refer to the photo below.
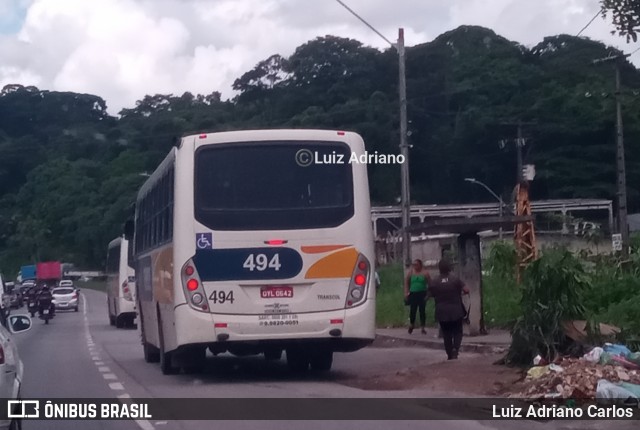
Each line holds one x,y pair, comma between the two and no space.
79,355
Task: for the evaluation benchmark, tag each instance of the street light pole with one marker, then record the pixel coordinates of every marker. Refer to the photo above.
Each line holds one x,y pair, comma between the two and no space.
486,187
404,146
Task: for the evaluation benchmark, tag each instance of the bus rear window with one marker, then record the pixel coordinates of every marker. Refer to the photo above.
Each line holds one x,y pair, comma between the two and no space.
263,186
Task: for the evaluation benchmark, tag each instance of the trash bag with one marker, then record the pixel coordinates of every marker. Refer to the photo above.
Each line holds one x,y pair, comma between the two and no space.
609,391
593,356
632,388
616,349
634,358
606,358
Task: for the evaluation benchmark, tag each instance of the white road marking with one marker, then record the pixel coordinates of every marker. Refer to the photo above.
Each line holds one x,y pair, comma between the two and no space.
116,386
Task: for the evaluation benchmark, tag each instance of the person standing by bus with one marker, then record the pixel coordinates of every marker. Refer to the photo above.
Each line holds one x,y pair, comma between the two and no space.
447,290
415,293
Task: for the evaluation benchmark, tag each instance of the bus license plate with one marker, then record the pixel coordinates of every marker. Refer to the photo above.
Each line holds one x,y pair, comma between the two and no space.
276,292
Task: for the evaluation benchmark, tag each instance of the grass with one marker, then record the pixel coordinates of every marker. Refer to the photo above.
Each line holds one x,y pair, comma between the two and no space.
391,311
501,301
93,285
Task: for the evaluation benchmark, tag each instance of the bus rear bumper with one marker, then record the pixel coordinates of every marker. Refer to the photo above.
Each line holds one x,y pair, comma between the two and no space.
341,330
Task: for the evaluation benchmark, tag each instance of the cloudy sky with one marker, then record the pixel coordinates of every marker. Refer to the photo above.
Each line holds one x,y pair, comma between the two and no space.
124,49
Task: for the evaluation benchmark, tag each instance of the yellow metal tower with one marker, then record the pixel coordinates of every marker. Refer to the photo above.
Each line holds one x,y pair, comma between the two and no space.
525,236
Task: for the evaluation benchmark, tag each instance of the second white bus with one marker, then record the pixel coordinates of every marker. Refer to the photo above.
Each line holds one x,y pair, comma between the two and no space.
256,242
120,284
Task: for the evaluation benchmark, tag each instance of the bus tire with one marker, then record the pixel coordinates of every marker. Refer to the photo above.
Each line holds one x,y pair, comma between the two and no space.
273,354
322,360
297,360
197,361
151,353
166,358
120,322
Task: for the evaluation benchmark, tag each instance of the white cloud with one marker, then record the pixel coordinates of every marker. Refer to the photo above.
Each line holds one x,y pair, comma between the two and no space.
124,49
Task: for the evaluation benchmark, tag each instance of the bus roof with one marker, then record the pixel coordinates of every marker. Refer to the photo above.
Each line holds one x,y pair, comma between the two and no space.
269,134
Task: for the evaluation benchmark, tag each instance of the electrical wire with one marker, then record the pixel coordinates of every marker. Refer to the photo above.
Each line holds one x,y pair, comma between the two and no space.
588,24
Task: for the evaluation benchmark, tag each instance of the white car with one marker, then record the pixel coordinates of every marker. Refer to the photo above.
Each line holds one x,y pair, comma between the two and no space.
11,368
65,283
65,298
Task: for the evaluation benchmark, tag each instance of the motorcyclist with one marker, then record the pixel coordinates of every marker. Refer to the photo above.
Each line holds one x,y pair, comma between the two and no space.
45,300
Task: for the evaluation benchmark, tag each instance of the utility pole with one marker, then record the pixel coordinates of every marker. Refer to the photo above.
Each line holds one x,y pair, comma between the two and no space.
520,143
623,225
405,194
404,150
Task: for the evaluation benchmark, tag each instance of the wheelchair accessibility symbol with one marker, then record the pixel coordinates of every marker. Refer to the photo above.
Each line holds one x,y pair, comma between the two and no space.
204,241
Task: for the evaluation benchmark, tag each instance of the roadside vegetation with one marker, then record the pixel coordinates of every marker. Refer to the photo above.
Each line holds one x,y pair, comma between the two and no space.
559,286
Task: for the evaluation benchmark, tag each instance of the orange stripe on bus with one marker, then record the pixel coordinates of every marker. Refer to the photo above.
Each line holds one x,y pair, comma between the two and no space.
337,265
319,249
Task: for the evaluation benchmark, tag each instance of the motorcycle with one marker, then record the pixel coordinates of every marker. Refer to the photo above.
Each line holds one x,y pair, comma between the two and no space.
32,307
45,314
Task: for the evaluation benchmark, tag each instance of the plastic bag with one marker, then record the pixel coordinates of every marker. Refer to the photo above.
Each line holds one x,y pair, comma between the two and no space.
632,388
616,349
537,372
606,358
607,391
593,356
634,358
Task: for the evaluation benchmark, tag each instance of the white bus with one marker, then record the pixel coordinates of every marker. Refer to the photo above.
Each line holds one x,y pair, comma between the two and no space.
120,284
256,242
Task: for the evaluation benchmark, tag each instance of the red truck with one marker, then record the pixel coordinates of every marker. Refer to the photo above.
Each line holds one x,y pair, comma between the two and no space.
49,271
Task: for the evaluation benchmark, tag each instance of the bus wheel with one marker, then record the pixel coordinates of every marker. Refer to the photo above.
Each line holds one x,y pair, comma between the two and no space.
196,361
297,360
151,353
166,358
273,354
120,321
321,360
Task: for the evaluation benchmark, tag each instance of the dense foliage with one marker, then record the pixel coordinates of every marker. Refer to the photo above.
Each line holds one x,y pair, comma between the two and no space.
69,170
625,15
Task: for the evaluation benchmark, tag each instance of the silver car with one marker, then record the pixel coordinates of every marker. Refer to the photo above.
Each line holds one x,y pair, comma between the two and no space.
11,367
65,298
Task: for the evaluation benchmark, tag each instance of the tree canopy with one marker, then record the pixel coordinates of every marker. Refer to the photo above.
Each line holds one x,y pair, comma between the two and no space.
69,171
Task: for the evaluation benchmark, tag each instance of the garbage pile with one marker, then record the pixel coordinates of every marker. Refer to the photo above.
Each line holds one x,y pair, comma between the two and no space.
610,372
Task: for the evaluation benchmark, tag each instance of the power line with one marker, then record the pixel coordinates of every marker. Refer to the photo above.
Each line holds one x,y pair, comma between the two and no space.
588,24
365,22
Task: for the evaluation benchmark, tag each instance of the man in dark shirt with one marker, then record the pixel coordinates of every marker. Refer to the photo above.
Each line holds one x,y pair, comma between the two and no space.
447,290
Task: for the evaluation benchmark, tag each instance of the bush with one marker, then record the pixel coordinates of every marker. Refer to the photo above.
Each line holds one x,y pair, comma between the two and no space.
553,291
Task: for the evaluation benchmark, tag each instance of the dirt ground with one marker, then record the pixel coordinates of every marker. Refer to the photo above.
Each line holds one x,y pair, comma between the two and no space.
471,374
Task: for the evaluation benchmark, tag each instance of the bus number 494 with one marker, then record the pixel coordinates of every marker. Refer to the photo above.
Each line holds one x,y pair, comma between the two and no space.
261,262
221,297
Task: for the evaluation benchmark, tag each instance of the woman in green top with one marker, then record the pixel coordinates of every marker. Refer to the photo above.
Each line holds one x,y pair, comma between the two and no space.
415,293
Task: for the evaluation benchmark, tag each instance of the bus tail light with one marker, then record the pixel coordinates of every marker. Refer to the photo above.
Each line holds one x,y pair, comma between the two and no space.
357,292
126,292
193,289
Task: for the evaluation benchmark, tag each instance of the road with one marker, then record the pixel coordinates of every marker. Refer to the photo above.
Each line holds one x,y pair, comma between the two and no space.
78,355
